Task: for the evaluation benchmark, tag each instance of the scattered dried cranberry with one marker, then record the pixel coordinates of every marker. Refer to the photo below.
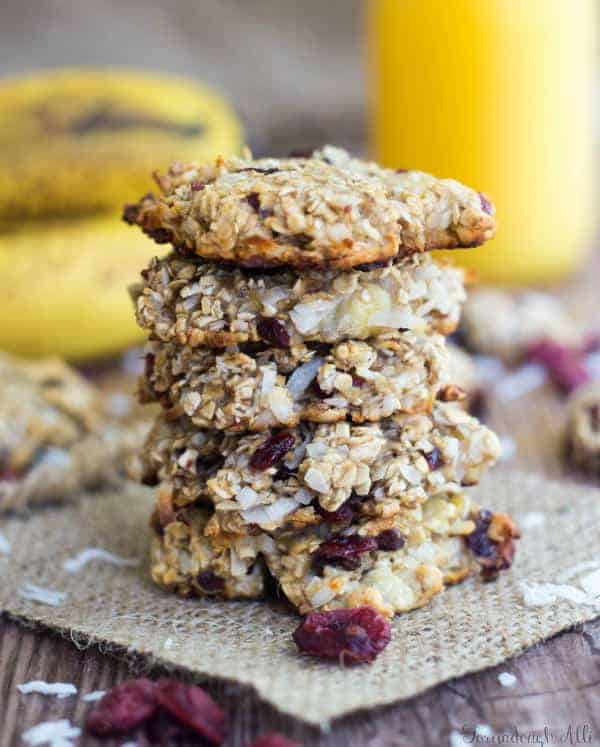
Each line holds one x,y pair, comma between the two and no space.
272,451
271,330
591,344
434,458
123,708
273,740
390,540
565,366
358,380
351,636
342,515
210,582
486,205
197,186
192,707
343,551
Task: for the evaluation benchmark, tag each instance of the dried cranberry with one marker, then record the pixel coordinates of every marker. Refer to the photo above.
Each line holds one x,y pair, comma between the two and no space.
486,205
192,707
197,186
272,451
358,380
351,636
123,708
492,554
253,199
271,330
343,551
342,515
565,366
434,458
591,344
210,582
8,475
164,729
390,540
272,739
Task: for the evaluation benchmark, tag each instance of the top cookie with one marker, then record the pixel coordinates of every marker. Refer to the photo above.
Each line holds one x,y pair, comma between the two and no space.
326,211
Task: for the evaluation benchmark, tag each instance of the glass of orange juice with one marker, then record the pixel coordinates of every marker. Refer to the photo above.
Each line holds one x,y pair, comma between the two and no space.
499,94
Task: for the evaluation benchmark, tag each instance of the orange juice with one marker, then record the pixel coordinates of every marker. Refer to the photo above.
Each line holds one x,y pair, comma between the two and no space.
500,95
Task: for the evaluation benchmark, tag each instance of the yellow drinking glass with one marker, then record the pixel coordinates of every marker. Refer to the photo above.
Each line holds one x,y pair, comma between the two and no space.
498,94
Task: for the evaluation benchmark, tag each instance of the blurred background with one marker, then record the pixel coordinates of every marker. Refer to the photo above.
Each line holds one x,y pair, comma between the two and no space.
502,96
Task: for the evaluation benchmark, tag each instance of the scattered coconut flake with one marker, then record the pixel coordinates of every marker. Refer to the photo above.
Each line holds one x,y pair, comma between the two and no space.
307,317
524,380
53,733
509,448
459,740
132,362
269,379
168,643
577,569
532,520
247,497
303,377
72,565
94,696
506,679
119,405
38,594
541,595
60,689
4,545
591,583
489,369
316,480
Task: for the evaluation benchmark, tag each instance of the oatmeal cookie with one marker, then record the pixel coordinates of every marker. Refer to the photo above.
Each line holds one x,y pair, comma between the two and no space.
393,564
242,389
504,324
309,212
76,142
184,560
272,479
194,303
54,438
583,429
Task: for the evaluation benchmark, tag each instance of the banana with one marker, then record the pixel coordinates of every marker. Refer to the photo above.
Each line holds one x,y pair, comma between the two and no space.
63,287
75,142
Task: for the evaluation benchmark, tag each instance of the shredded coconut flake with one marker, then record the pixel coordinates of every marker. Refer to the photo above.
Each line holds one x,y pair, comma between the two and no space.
303,376
577,569
60,689
72,565
532,520
541,595
4,545
506,679
509,448
521,382
53,733
38,594
94,696
168,643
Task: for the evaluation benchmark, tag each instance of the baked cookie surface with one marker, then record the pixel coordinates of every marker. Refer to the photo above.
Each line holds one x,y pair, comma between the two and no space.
75,142
303,474
197,303
246,389
309,212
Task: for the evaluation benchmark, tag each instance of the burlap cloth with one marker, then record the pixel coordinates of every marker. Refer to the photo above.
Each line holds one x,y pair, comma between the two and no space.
468,628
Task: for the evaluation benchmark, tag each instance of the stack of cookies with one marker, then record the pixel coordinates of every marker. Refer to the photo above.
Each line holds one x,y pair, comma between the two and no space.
310,433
